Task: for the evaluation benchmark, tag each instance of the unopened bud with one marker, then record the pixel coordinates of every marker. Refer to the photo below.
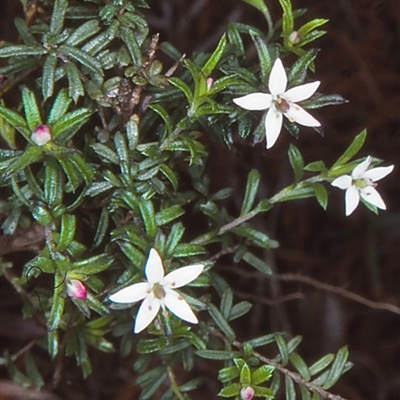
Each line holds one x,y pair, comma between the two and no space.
210,82
294,37
41,135
76,290
247,393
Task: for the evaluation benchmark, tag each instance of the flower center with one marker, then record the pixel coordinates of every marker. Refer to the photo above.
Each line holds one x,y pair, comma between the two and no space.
282,105
158,291
362,183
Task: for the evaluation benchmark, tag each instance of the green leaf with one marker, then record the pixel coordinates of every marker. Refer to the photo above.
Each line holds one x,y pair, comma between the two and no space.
24,32
183,87
316,166
31,155
132,132
321,364
353,149
164,115
92,265
226,302
32,371
82,57
83,32
283,349
290,391
59,107
262,341
228,374
129,37
300,365
57,18
263,56
262,374
82,167
296,161
253,181
75,86
217,354
105,153
31,109
258,238
148,216
168,214
257,263
102,226
337,368
187,250
287,18
49,69
53,183
245,375
67,233
71,121
215,57
321,194
299,68
21,50
221,322
52,343
170,175
57,308
233,389
310,26
15,120
239,309
174,238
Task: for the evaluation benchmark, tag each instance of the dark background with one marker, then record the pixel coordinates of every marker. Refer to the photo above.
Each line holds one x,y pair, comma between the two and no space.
359,59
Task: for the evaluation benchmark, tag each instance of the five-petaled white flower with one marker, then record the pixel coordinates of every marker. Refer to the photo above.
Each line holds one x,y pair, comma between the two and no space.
159,291
280,102
361,183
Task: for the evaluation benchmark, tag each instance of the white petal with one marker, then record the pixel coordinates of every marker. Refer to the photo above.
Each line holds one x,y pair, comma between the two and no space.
352,198
371,195
301,92
154,269
182,276
277,79
178,306
273,126
254,101
131,293
342,182
359,170
147,312
375,174
302,117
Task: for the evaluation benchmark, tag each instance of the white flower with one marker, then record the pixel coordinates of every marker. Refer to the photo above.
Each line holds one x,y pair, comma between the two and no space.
41,135
361,183
280,102
159,291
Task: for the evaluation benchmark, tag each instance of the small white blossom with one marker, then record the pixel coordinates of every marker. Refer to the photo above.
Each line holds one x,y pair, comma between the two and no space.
158,292
361,183
280,102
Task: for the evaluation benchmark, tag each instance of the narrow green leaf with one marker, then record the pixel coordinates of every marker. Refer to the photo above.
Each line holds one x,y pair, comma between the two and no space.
164,116
321,194
31,155
183,87
132,132
49,68
305,394
75,85
217,354
283,349
353,149
287,18
121,147
319,101
15,120
337,368
263,56
52,343
257,263
129,38
299,68
290,391
83,32
221,322
73,175
174,238
98,43
321,364
170,175
21,50
148,216
82,57
67,232
234,388
258,238
226,303
215,57
92,265
296,161
188,250
24,32
57,308
262,340
310,26
102,226
300,365
57,18
59,107
70,121
239,309
168,214
253,181
31,109
82,167
53,183
262,374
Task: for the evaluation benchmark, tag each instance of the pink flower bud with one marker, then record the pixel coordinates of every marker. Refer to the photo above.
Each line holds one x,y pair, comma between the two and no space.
294,37
76,290
247,393
210,82
41,135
